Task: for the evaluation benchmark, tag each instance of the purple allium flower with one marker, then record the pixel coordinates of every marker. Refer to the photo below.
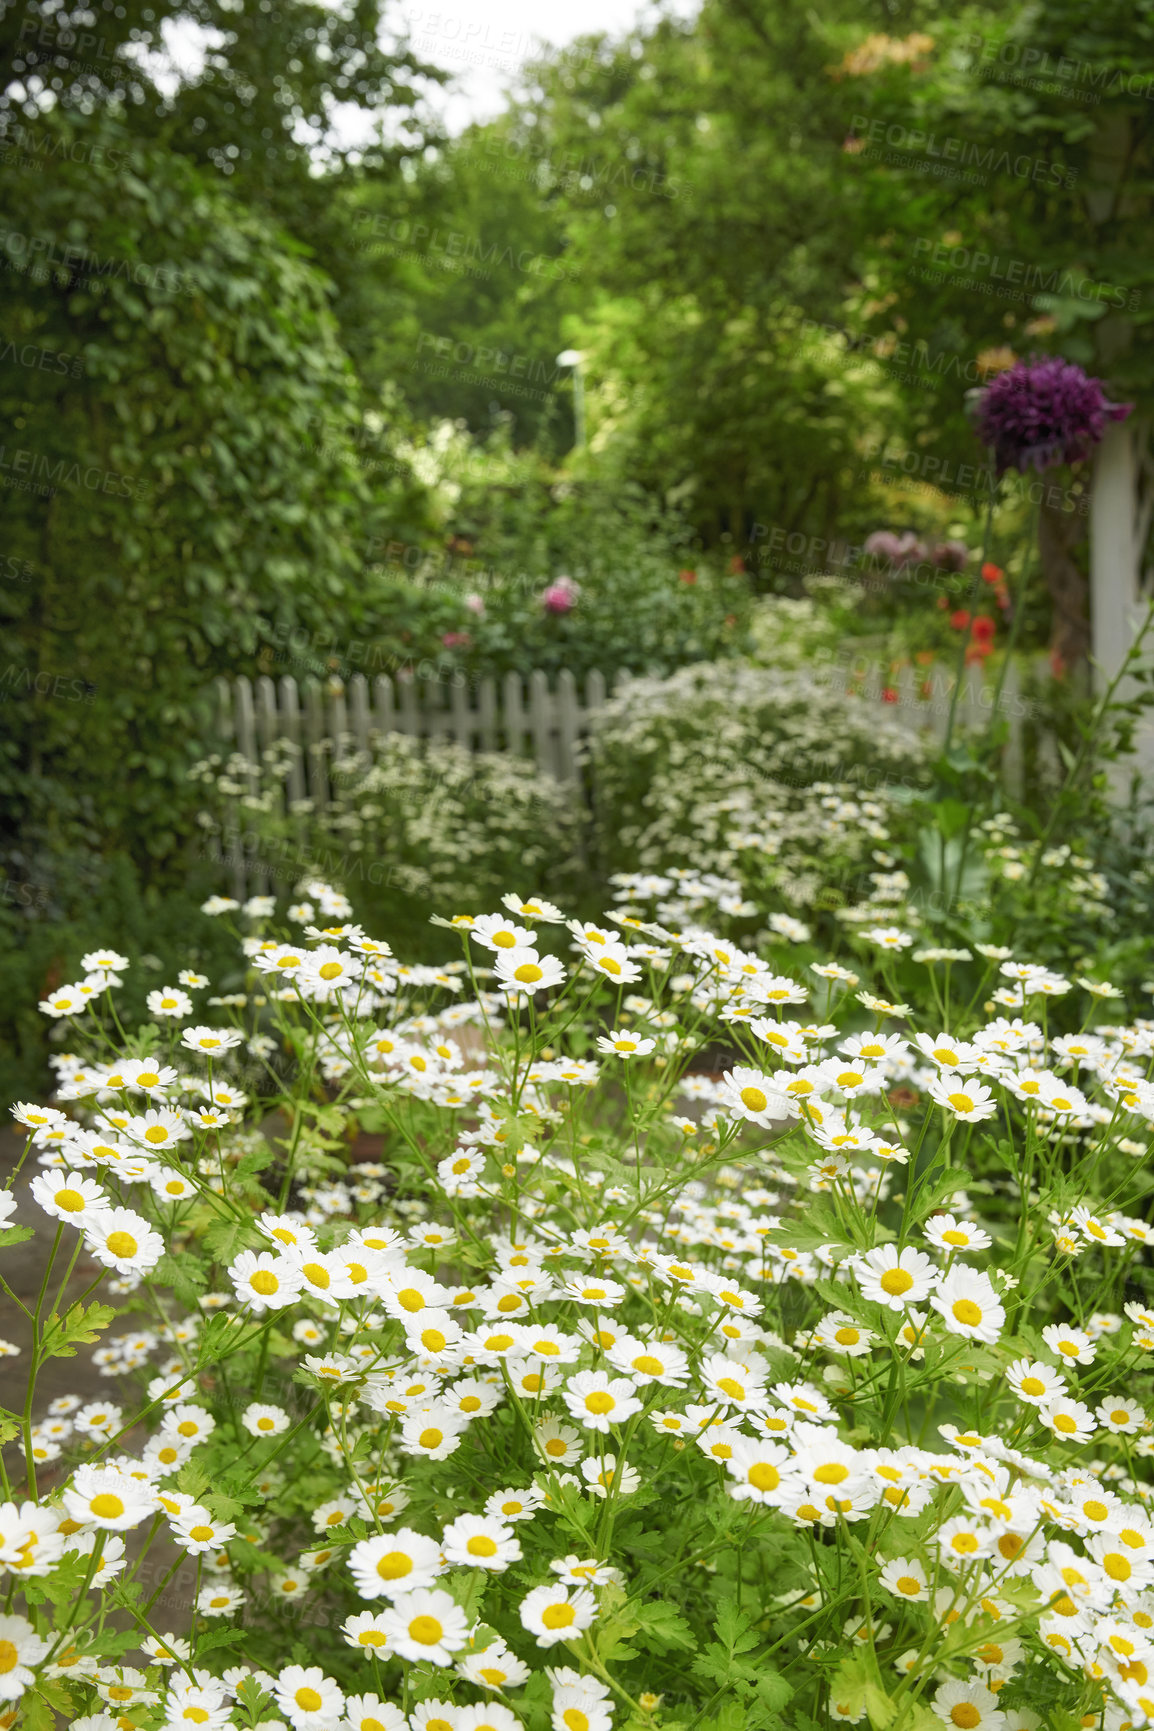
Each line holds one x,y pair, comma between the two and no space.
950,555
1040,413
899,550
561,596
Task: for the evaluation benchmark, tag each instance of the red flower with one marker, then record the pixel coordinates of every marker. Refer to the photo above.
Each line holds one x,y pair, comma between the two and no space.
889,695
992,573
960,619
983,629
688,576
977,652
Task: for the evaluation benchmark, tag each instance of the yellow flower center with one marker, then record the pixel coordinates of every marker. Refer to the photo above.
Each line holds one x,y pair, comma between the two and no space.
426,1631
394,1566
764,1476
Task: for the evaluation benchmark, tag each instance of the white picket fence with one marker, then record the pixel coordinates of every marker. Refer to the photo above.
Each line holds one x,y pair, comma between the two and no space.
922,701
547,721
529,717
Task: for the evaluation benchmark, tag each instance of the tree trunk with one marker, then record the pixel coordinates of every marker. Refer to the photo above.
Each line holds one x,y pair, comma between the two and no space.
1059,532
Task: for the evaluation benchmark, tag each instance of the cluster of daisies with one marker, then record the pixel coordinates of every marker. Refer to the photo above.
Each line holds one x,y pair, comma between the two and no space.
551,1302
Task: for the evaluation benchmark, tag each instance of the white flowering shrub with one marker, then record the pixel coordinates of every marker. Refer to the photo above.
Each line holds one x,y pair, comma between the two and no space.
410,824
784,782
616,1391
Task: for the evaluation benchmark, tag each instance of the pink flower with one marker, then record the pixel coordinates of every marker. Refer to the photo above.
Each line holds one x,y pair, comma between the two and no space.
456,640
561,596
475,605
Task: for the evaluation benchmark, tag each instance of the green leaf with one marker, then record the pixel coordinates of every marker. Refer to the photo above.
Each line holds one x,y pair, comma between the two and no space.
255,1161
952,815
661,1628
186,1275
79,1326
38,1709
206,1641
730,1663
15,1235
226,1238
193,1479
939,1183
857,1684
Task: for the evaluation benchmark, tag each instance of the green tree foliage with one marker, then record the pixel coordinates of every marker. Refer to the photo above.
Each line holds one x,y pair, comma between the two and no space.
463,278
170,370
